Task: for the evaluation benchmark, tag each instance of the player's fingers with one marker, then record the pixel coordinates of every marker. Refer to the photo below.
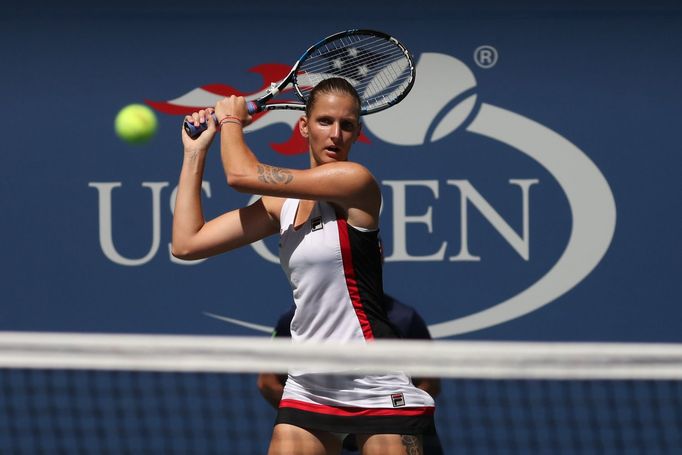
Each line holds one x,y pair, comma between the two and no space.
211,121
241,110
210,117
225,107
193,118
203,114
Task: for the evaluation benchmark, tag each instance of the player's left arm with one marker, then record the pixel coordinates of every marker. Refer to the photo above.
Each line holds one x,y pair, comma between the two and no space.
419,330
429,385
271,387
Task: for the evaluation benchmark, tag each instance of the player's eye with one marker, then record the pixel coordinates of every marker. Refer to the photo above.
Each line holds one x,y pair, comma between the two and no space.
348,126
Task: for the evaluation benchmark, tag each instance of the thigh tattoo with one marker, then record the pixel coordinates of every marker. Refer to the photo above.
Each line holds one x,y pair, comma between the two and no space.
411,444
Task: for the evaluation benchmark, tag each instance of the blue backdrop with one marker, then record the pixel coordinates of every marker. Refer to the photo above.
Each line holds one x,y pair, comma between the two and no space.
530,180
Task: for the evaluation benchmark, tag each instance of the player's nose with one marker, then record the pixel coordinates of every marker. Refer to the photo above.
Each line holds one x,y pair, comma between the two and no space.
336,130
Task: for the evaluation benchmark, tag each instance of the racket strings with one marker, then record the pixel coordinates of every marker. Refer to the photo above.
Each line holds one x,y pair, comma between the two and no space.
379,69
389,82
383,54
353,64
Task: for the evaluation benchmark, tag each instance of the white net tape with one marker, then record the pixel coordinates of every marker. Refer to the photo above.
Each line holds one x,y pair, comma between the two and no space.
455,359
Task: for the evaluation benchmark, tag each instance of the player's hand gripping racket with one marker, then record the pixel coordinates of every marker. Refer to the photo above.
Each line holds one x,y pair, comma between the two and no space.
376,64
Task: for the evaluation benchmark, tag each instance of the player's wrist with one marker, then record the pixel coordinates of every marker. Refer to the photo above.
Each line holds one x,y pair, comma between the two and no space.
230,120
195,154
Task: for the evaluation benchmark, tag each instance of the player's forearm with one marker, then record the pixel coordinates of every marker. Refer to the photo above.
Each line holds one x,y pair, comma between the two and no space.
271,388
429,385
272,396
188,217
239,162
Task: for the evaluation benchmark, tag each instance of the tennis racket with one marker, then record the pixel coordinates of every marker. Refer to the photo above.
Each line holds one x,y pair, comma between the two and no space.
379,67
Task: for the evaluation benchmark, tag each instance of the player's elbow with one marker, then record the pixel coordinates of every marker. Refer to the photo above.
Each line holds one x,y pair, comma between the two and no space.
180,253
183,250
238,181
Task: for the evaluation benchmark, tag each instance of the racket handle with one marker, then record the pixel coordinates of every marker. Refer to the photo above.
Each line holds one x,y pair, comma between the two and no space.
195,131
253,108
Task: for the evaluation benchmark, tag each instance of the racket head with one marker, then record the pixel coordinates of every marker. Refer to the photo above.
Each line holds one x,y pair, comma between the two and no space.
379,67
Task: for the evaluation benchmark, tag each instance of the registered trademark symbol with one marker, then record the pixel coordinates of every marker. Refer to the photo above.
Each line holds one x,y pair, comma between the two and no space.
485,56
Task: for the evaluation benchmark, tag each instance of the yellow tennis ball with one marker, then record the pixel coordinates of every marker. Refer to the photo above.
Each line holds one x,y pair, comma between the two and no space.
135,123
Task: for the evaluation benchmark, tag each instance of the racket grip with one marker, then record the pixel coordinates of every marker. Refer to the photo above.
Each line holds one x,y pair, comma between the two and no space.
195,131
253,108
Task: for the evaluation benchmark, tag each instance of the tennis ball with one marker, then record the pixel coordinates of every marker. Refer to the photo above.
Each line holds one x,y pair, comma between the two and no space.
135,124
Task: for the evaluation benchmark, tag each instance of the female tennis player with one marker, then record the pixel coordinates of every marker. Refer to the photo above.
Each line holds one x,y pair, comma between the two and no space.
327,217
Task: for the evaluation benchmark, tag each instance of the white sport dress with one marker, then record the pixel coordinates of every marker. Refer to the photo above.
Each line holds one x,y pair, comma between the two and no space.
335,273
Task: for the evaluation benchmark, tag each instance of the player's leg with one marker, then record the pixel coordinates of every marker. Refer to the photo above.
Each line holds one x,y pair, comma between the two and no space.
390,444
293,440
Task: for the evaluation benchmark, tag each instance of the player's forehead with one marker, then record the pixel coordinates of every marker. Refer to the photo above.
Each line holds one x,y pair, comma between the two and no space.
335,101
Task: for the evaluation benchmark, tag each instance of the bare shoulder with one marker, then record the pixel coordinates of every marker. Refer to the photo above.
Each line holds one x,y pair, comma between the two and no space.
351,167
367,183
356,176
361,200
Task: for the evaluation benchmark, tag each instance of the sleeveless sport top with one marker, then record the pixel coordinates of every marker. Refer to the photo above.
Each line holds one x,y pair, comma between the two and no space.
335,273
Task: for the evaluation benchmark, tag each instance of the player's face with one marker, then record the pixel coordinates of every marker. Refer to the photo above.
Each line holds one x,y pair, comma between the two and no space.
331,128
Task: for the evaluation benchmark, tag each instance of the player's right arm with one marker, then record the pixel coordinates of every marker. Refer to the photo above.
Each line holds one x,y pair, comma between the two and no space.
196,238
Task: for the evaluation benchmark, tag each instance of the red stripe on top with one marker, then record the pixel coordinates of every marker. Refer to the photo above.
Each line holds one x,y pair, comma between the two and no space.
351,281
348,411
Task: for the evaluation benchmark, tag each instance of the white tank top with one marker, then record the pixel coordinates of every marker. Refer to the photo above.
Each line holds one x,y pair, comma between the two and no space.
335,273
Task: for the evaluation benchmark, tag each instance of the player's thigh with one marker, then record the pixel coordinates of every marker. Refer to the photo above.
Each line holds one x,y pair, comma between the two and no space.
390,444
293,440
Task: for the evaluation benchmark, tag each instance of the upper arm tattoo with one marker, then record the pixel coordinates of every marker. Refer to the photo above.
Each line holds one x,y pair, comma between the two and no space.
270,174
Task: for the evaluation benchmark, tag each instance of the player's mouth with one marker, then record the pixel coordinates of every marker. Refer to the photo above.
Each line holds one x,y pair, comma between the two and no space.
332,151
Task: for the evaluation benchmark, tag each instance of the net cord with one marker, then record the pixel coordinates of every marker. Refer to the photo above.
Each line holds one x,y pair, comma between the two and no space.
442,358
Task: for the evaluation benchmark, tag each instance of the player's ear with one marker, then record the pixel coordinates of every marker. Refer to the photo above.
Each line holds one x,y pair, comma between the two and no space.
303,126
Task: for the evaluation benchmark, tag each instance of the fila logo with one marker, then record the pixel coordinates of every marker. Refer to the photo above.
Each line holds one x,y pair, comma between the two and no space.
398,399
316,223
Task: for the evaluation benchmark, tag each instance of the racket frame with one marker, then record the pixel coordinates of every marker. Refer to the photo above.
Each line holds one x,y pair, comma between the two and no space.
261,104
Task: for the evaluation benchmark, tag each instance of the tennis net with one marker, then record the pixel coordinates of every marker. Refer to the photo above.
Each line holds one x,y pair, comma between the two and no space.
87,393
